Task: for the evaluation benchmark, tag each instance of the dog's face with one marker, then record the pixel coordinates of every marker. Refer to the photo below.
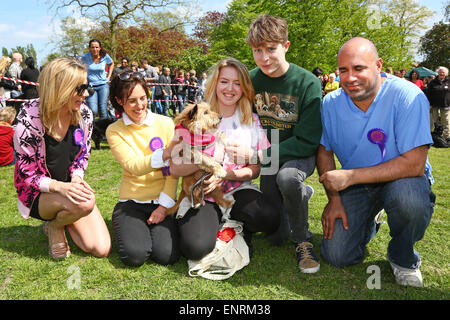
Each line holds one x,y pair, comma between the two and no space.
199,118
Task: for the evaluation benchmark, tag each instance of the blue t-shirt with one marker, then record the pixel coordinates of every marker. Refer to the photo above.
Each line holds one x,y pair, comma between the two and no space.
96,71
400,109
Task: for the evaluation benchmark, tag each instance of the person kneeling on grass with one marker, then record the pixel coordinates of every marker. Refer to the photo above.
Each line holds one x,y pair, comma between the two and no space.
52,145
378,127
142,228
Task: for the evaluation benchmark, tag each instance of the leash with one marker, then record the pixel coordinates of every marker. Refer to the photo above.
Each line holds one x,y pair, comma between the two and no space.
198,183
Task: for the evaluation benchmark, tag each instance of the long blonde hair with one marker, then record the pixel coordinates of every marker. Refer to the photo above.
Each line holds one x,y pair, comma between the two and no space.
248,93
5,61
57,84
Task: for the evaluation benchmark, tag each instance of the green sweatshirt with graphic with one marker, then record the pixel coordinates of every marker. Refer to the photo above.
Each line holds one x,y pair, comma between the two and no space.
290,104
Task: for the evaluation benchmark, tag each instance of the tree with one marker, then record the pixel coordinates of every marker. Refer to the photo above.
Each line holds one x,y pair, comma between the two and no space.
114,12
206,25
435,45
318,28
74,36
410,17
26,52
147,41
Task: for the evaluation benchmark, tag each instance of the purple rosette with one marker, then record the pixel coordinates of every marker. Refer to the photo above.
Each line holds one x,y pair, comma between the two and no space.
156,143
379,137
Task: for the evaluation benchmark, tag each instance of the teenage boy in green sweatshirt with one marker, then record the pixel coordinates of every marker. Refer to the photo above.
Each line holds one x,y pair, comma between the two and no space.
288,100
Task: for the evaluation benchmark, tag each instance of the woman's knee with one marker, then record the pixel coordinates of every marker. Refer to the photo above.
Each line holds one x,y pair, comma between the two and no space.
84,208
101,249
196,248
133,257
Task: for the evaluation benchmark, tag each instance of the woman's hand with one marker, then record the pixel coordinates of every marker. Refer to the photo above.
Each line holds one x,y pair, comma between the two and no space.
211,183
76,192
239,154
158,215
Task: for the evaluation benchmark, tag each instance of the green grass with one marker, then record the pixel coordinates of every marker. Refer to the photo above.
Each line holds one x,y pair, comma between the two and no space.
28,272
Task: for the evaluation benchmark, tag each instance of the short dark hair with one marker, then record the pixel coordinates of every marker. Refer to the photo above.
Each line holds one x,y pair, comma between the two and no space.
317,71
121,89
30,62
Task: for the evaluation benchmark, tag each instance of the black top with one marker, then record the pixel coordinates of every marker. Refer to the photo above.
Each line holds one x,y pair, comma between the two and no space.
29,91
60,155
438,92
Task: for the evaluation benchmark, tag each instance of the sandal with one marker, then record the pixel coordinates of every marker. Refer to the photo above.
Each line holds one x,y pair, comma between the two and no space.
57,250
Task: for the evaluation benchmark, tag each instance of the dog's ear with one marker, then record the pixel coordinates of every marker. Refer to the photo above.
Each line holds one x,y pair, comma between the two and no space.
193,112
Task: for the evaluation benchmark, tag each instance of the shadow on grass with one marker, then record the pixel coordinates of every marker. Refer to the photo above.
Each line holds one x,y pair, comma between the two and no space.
271,274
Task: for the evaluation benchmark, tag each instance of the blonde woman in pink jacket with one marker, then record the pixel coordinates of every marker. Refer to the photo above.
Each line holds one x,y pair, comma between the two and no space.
52,145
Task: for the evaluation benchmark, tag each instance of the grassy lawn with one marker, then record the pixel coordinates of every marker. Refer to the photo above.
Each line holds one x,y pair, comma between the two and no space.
28,272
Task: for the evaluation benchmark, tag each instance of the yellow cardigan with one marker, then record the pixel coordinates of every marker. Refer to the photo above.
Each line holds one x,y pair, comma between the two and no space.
130,146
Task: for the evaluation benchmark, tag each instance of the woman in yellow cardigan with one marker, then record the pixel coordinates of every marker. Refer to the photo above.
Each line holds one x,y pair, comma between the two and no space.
141,228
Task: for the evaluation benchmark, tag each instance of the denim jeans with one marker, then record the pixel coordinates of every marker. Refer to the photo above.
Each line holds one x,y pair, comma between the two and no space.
157,105
165,105
286,190
98,101
181,100
408,204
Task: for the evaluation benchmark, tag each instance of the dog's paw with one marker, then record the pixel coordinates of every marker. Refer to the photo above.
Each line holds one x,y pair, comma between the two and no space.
220,173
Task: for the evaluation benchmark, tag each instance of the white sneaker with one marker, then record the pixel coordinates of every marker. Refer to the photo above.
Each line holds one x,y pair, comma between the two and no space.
309,191
407,277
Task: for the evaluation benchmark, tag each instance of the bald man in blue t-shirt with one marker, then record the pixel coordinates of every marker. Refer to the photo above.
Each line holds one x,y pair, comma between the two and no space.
378,127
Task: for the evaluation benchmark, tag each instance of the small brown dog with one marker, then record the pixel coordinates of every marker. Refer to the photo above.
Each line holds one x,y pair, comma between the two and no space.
197,127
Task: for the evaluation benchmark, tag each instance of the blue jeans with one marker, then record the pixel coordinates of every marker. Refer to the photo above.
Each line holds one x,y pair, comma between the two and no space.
98,101
157,106
165,105
408,204
181,101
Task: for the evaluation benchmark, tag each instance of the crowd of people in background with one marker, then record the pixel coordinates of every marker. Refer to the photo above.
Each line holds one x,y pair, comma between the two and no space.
314,121
171,88
436,88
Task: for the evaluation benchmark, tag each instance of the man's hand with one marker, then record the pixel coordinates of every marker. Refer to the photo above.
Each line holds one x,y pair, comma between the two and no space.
333,210
336,180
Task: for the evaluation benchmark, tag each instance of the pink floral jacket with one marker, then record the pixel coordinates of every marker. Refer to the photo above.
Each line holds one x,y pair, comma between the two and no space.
31,175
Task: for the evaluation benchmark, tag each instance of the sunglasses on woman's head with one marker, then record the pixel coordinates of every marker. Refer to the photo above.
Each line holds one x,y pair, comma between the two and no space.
128,76
80,89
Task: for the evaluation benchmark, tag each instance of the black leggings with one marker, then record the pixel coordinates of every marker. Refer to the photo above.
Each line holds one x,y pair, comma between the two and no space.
137,241
198,228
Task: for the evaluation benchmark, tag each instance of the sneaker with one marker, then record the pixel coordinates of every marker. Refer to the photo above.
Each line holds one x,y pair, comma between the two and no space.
378,220
309,192
407,277
307,259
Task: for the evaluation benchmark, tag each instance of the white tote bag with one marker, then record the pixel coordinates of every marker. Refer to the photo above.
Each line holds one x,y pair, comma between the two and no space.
230,254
